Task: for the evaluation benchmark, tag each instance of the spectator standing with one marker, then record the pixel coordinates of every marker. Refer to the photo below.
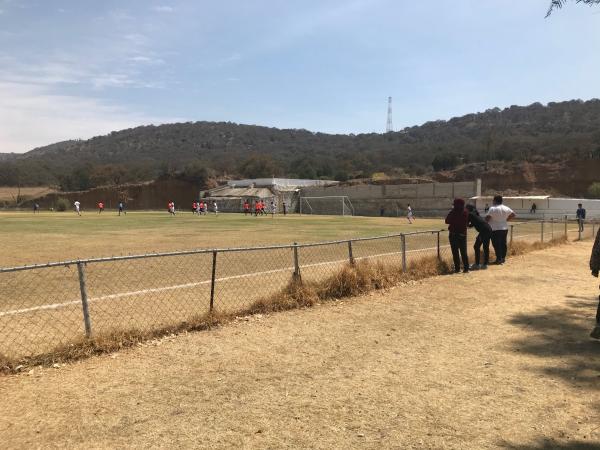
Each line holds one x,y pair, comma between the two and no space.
595,267
36,208
457,220
580,216
284,205
483,238
122,208
498,216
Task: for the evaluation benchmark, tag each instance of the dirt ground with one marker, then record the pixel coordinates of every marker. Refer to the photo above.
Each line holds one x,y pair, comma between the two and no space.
495,359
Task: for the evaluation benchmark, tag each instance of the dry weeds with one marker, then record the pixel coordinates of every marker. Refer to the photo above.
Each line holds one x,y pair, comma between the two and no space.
351,280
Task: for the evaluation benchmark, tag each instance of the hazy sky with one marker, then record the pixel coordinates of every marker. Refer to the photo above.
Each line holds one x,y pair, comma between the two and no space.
79,68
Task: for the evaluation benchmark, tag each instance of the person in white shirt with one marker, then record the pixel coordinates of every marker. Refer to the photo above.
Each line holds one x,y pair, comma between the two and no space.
77,205
215,208
498,216
409,214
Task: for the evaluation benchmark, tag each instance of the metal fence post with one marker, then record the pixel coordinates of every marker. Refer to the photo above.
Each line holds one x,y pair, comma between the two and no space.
87,321
566,231
552,228
403,239
439,253
212,280
350,255
296,262
542,231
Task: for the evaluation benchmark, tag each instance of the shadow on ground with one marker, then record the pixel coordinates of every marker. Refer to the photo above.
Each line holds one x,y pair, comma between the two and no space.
562,333
550,444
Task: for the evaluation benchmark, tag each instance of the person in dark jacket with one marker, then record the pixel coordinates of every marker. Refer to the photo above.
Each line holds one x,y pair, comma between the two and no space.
483,238
457,221
595,267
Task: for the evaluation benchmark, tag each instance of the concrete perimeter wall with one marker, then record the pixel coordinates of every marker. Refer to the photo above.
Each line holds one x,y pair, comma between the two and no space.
424,198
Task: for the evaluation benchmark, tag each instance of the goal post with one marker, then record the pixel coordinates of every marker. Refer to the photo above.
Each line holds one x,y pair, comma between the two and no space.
335,205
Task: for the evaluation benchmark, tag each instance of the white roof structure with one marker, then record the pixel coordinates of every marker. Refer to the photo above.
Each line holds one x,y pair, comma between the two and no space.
280,184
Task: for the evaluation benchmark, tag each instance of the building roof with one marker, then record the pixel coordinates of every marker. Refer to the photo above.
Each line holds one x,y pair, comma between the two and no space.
520,197
226,191
280,183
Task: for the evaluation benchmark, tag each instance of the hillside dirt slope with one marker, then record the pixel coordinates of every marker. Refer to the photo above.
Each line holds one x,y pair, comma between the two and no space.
499,358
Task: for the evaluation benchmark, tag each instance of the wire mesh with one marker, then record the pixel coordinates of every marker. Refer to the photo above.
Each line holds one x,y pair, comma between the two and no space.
41,308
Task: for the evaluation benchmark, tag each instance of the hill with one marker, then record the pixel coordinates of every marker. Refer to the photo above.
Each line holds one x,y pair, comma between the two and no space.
536,133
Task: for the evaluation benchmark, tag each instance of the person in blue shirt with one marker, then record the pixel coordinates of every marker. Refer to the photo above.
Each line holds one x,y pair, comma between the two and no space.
580,216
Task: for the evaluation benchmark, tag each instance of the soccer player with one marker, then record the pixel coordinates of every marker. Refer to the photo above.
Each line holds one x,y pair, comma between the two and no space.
202,206
215,207
595,266
100,207
246,207
457,220
498,216
36,208
77,205
194,206
273,208
580,216
483,238
122,208
198,208
409,214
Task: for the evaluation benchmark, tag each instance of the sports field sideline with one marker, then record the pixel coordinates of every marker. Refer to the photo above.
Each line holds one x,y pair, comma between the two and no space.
27,238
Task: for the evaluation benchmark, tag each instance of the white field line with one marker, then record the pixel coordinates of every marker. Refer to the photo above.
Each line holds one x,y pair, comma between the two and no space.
199,283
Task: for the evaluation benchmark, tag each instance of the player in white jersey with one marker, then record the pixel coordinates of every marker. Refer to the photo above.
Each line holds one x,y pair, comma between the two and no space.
77,205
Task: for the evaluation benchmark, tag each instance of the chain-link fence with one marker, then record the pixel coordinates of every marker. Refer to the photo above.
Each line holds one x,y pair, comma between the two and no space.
46,306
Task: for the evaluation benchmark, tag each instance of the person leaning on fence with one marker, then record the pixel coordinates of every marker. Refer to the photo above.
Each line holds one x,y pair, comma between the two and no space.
595,267
457,220
498,216
483,238
580,216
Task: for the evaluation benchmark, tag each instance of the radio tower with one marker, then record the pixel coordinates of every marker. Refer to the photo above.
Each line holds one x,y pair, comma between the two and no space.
389,128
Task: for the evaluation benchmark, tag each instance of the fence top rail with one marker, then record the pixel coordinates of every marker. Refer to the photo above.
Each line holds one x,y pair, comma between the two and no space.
201,251
223,250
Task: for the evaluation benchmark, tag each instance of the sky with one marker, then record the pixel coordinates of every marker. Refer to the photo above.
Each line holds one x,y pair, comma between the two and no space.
74,69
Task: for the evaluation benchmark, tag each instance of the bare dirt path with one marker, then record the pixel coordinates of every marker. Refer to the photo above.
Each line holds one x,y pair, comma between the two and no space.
495,359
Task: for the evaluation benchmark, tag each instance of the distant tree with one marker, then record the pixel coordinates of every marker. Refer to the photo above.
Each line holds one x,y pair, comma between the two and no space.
594,190
445,161
558,4
196,172
259,166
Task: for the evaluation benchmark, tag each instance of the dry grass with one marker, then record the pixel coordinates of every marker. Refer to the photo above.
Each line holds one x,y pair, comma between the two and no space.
520,248
351,280
8,194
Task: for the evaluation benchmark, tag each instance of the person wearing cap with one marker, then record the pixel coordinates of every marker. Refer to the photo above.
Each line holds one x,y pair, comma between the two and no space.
457,220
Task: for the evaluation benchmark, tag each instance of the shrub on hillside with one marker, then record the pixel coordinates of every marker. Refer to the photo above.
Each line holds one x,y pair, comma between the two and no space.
594,190
62,204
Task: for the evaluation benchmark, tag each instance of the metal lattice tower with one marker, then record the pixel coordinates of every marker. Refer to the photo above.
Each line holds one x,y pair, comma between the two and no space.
389,128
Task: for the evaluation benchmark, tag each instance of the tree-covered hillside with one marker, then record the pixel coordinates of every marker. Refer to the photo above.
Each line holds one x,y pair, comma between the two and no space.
559,131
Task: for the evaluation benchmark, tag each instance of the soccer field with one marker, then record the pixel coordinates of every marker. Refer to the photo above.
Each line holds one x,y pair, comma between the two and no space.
27,238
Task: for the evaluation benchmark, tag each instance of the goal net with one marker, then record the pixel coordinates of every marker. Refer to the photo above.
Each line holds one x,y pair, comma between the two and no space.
331,205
